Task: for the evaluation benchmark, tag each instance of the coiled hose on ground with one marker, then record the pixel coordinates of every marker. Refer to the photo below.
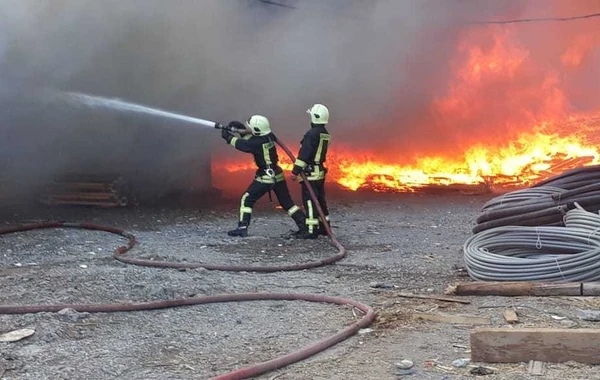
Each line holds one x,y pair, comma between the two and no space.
242,373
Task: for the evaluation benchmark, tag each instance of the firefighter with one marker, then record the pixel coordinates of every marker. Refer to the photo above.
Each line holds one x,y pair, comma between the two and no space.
255,137
311,160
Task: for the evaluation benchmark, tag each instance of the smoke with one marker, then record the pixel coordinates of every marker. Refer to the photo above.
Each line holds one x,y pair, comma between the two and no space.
378,66
501,80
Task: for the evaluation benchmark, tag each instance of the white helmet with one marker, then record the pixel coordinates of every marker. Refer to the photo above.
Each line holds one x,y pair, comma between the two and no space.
258,125
319,114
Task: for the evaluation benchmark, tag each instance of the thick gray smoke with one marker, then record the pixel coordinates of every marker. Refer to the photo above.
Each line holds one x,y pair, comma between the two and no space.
372,62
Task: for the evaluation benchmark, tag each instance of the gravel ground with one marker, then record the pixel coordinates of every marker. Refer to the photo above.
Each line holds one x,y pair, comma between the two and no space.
410,241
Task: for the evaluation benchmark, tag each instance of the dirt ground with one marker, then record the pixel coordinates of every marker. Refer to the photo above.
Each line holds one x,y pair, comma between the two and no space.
411,243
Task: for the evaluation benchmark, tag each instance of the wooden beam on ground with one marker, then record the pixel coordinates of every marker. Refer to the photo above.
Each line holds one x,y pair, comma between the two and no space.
501,345
590,289
451,318
520,289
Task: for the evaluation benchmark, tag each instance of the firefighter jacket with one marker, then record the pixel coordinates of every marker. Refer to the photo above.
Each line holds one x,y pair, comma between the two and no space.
313,153
265,155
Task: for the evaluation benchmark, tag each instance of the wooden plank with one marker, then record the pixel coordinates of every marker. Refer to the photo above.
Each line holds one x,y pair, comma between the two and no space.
510,316
591,289
537,368
450,318
501,345
515,289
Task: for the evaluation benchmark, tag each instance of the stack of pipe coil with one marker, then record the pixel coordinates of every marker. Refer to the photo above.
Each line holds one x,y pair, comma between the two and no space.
549,232
545,203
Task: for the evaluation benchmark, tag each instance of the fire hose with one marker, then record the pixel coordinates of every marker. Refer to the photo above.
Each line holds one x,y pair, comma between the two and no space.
245,372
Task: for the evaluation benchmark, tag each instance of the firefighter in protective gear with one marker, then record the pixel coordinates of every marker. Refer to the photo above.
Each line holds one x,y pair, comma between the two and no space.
311,160
255,137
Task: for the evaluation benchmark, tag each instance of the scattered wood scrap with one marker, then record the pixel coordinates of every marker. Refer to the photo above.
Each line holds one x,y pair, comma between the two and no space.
501,345
16,335
88,190
431,297
450,318
537,368
510,316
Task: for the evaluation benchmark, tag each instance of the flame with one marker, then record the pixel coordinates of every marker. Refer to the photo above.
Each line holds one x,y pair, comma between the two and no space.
532,157
508,112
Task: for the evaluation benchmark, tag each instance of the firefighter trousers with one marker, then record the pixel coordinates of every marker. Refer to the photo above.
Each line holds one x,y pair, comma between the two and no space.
258,189
312,216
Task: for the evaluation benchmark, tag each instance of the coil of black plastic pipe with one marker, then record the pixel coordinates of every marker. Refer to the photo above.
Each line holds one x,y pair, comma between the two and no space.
545,203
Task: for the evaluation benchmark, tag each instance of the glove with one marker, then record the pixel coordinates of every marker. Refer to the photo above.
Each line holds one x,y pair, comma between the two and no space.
235,125
226,135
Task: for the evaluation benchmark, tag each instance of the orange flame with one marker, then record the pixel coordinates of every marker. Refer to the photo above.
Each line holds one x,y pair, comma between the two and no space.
532,157
498,85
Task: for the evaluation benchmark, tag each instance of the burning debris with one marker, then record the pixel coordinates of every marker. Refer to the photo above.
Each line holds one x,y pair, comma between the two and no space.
86,190
439,185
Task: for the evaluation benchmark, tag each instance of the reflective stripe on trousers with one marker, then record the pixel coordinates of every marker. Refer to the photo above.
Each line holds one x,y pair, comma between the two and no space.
243,208
311,221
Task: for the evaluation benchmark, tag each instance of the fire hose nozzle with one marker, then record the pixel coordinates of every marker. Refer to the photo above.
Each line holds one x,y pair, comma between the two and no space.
225,127
229,128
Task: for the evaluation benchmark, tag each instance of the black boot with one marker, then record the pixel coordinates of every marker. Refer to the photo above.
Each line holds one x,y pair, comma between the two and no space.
321,230
304,234
300,220
240,231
